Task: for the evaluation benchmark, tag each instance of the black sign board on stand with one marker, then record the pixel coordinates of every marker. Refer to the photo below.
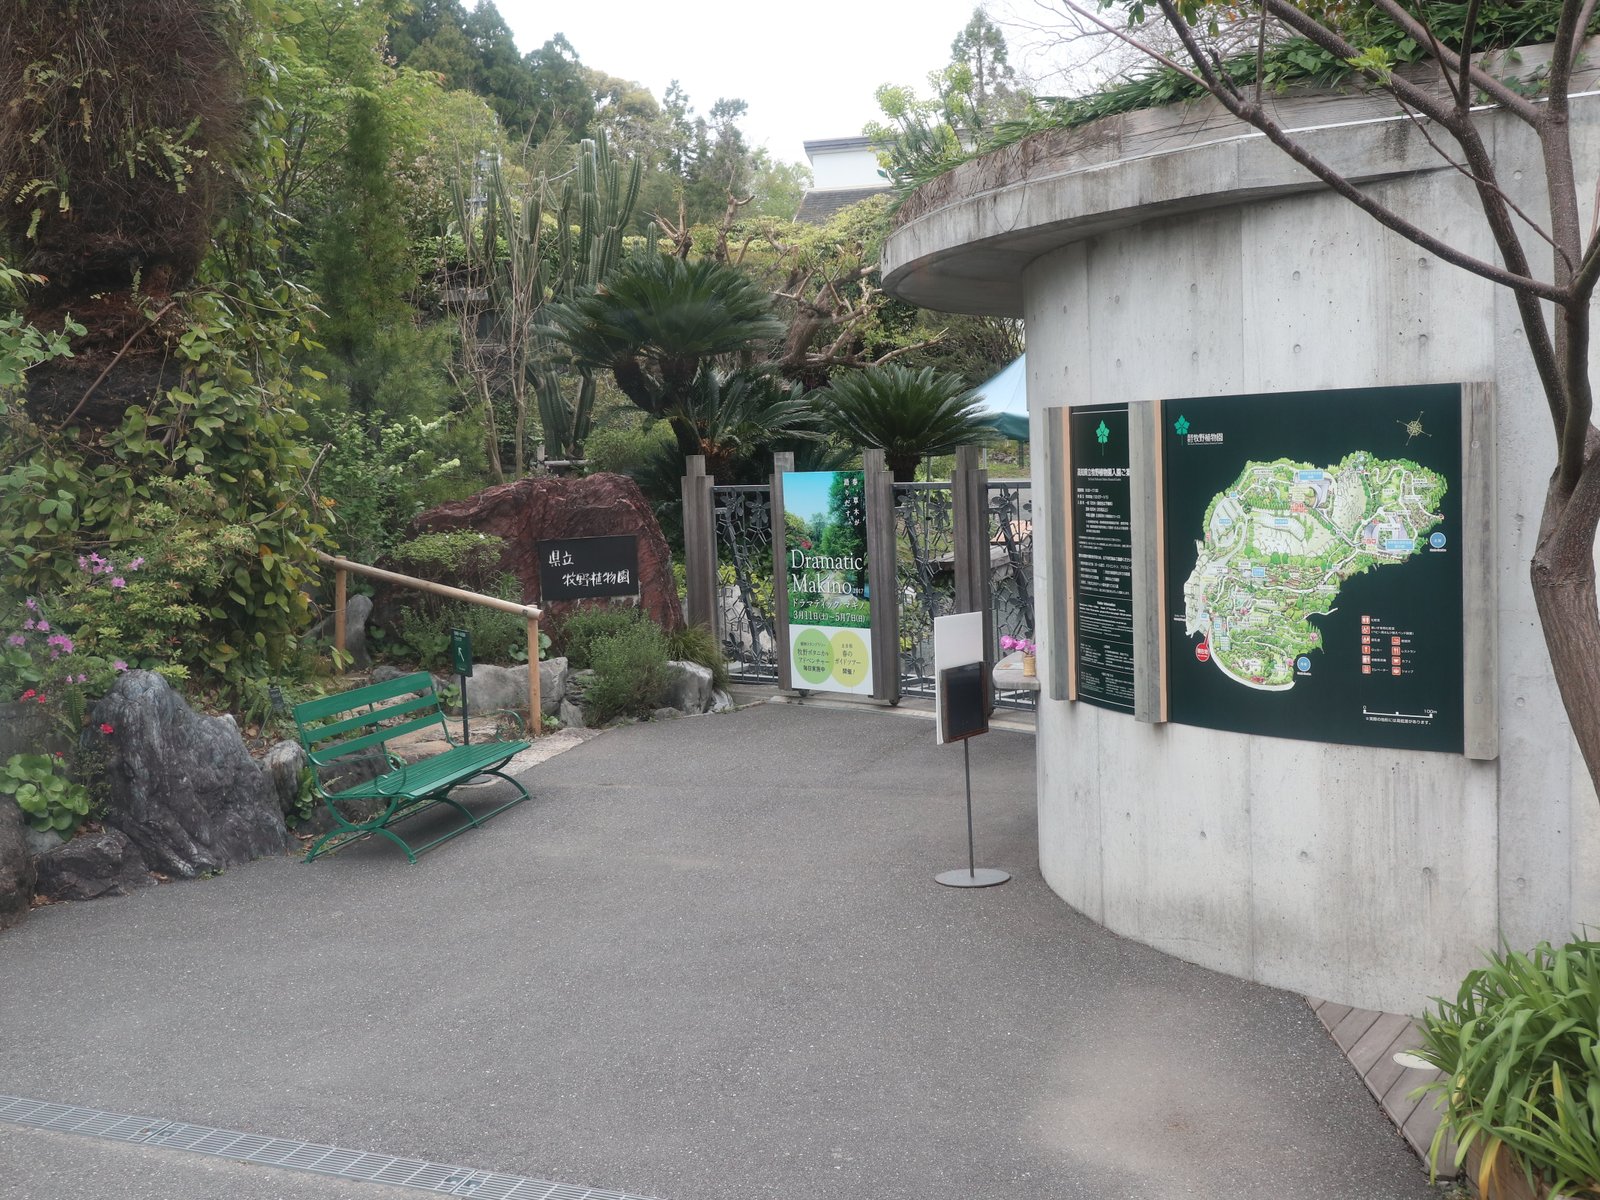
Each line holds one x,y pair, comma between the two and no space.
584,568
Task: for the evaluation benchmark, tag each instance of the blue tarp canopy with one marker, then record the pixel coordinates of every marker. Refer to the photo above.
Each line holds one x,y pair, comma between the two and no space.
1004,399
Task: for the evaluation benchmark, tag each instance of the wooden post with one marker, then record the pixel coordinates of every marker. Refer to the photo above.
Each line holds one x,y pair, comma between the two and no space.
535,700
700,547
969,498
780,573
338,614
881,577
1061,620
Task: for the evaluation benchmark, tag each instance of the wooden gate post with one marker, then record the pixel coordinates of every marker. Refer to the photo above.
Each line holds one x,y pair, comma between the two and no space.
700,547
882,577
969,499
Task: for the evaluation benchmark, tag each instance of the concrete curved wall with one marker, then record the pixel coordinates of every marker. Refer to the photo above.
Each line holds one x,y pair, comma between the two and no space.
1176,254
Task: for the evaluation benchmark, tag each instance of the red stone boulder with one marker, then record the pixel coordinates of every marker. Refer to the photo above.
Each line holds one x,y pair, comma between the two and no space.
529,511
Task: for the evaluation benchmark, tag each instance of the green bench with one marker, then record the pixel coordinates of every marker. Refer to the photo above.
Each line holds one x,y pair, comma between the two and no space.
354,727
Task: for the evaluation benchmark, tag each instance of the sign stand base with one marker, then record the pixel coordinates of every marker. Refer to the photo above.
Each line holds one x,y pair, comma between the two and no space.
973,876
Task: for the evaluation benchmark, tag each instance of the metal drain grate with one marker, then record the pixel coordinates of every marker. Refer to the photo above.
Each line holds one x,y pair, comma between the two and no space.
425,1176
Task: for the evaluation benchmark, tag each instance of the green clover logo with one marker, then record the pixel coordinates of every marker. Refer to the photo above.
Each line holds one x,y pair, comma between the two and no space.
1102,434
1181,425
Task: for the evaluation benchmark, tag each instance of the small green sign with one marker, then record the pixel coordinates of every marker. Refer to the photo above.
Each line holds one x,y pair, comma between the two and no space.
461,651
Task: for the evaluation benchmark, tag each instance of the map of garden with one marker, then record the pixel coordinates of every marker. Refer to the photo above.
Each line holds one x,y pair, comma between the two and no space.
1279,543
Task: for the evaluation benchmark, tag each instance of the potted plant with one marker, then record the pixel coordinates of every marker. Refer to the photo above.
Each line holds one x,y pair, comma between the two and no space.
1029,651
1520,1051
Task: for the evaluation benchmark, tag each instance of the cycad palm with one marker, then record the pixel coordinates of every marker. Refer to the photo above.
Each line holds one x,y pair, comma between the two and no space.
907,414
658,321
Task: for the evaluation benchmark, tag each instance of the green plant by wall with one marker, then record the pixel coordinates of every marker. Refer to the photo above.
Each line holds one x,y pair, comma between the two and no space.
578,632
1520,1051
630,669
48,799
697,644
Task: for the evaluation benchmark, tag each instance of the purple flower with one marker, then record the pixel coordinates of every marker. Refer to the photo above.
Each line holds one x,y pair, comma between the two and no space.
118,581
29,624
16,639
42,626
30,604
83,563
119,665
136,563
83,679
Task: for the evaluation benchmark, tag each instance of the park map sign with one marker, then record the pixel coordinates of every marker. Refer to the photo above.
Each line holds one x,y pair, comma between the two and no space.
1313,566
825,556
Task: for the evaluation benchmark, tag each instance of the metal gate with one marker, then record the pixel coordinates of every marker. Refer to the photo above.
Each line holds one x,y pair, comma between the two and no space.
743,515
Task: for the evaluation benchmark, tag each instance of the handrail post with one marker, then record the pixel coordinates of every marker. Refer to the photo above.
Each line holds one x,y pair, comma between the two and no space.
338,617
535,701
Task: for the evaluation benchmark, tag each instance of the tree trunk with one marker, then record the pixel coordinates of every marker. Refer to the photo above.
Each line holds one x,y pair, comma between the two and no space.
1569,614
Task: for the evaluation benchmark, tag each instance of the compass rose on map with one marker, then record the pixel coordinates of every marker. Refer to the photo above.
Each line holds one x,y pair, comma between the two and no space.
1413,429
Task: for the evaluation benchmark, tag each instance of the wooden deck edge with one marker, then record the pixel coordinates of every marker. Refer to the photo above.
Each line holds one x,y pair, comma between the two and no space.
1369,1041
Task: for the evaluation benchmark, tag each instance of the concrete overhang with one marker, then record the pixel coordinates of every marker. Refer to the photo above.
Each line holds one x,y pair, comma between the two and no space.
962,241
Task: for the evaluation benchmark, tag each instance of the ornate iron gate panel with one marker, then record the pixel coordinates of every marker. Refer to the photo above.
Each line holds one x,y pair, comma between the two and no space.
925,575
1010,535
744,581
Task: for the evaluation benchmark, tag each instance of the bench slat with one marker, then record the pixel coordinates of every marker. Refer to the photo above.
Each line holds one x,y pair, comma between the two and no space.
327,706
316,735
440,772
387,733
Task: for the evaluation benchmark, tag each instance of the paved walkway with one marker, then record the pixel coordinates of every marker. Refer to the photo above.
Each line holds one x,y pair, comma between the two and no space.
707,962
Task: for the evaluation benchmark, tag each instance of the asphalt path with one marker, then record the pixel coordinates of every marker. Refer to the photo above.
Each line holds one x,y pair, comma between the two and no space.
708,961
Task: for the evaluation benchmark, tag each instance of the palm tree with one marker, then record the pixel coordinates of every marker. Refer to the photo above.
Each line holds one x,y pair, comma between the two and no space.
120,116
907,414
657,323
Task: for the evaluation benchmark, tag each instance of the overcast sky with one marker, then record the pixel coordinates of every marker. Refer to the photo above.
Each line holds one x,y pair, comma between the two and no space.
807,69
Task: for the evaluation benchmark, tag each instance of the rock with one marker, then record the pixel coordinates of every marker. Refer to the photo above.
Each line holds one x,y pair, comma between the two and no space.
721,702
493,689
182,786
41,842
283,764
571,715
528,511
95,864
17,874
357,611
665,714
26,728
688,687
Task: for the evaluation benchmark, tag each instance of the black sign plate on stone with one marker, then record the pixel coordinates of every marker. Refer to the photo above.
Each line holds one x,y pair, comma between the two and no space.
1102,554
964,704
582,568
1314,568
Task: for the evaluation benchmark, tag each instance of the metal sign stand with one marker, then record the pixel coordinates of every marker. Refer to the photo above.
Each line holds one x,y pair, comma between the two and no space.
973,876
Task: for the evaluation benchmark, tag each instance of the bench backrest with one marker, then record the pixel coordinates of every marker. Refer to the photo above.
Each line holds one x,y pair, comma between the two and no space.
354,721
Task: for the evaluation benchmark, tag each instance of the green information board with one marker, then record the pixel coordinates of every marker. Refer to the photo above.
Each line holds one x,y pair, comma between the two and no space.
1314,566
461,651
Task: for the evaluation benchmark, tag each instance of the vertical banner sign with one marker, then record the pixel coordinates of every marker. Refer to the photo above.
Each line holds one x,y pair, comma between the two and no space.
825,550
1314,565
1102,554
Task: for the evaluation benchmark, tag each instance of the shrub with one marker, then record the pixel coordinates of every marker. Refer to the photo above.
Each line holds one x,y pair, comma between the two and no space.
1520,1052
419,629
630,672
49,800
697,644
462,558
580,630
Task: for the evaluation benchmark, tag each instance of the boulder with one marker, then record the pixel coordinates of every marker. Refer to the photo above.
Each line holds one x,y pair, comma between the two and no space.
182,786
721,701
94,864
357,612
17,874
528,511
688,687
283,764
41,841
571,715
665,713
494,689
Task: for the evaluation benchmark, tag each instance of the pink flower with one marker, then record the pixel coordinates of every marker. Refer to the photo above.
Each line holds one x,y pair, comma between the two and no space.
119,582
83,679
119,665
136,563
29,694
107,729
83,563
1008,642
42,626
30,623
30,604
16,639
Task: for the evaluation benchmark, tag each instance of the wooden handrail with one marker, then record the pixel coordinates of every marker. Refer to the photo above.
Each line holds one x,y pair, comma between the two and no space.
527,612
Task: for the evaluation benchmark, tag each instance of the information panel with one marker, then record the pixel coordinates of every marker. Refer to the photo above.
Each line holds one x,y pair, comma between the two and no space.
1102,555
825,551
1313,565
